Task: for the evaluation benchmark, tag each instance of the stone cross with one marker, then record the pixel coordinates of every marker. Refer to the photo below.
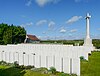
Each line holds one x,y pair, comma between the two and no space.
88,41
88,25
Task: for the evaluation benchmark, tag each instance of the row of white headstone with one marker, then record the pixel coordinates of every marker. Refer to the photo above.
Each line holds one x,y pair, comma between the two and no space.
63,58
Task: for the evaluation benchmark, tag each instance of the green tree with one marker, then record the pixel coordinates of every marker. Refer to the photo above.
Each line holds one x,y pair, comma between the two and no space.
11,34
7,36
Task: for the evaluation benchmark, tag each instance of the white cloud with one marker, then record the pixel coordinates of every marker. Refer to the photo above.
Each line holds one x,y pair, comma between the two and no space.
39,37
73,30
29,3
41,22
27,24
63,30
43,32
22,25
51,24
42,3
73,19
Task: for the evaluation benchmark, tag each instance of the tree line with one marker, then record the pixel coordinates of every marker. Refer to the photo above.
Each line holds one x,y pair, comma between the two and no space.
95,42
11,34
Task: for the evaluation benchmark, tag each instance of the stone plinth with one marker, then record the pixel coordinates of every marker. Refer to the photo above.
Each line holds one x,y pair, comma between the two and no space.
88,42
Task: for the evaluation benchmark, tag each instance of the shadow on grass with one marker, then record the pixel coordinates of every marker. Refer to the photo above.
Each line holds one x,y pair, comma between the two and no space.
12,72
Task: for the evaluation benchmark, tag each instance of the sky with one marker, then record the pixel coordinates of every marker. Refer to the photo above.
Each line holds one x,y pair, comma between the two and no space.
53,19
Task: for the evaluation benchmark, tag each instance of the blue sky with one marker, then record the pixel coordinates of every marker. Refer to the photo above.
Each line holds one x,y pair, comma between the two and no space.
52,19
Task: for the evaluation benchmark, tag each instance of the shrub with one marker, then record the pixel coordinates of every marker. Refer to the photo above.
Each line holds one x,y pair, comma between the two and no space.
3,63
53,70
29,67
41,70
89,54
82,58
64,74
16,64
21,67
10,64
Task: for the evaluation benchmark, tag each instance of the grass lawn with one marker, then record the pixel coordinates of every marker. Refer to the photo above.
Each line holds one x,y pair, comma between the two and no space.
3,67
91,67
32,73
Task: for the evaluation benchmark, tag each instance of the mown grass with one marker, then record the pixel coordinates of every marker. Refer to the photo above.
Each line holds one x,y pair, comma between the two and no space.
32,73
4,67
92,66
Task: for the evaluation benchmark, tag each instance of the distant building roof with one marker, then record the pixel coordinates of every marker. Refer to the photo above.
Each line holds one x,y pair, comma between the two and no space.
32,37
